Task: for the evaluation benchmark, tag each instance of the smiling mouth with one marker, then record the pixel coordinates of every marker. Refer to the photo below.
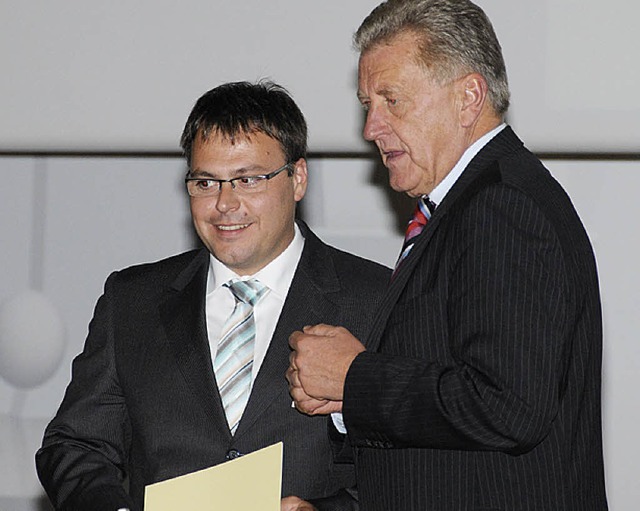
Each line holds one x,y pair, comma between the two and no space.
232,227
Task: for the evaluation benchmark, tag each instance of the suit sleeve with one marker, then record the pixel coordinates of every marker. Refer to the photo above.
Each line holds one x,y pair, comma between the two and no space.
493,376
82,460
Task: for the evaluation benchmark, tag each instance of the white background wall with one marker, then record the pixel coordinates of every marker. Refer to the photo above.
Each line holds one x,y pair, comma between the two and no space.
82,75
85,74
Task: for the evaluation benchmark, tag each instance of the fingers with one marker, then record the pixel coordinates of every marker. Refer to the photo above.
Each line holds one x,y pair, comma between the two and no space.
293,377
308,332
294,339
292,503
320,329
306,404
301,400
292,360
318,364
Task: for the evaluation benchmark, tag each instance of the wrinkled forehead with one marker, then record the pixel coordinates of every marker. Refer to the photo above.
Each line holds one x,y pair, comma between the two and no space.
388,66
404,46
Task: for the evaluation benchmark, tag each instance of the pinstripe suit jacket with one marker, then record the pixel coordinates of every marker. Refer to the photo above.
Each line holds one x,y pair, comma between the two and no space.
481,386
143,401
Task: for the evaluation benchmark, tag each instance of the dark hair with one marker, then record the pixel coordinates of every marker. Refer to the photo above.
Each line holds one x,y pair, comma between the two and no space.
242,108
454,37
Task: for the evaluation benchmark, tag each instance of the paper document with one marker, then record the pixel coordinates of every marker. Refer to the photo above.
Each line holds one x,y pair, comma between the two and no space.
248,483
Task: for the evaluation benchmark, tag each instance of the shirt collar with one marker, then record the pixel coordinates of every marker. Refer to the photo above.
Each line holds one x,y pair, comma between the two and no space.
277,275
438,193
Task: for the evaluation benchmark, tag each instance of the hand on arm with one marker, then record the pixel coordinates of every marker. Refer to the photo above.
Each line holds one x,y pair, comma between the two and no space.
321,357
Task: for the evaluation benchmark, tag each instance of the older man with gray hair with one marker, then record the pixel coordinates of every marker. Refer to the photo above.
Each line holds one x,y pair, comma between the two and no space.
479,385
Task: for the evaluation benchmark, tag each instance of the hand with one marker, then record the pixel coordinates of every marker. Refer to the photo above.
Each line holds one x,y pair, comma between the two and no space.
307,404
321,357
295,504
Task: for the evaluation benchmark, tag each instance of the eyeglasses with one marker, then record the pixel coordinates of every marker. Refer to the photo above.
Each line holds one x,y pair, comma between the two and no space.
208,187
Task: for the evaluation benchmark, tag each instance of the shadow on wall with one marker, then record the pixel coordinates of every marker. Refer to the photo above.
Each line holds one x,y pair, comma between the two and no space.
399,203
43,504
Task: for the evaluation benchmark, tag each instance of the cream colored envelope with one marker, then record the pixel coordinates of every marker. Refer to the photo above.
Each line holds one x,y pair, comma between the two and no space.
248,483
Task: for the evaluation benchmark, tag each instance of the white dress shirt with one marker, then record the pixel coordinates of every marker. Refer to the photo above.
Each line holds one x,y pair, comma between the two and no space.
277,276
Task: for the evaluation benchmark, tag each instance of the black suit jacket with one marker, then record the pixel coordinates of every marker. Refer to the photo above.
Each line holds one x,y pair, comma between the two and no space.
483,392
143,402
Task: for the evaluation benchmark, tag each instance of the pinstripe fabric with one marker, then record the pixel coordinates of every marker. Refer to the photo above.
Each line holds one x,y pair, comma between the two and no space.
234,358
480,389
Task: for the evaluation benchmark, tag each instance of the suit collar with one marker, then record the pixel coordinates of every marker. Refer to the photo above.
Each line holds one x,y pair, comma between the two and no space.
440,191
316,263
481,171
183,318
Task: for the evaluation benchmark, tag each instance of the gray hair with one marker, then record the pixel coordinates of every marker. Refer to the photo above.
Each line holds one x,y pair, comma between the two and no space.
455,37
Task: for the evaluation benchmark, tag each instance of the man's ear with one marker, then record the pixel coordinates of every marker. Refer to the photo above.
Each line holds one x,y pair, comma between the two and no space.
473,91
299,179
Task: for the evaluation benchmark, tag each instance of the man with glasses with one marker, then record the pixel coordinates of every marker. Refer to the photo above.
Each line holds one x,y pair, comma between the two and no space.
184,364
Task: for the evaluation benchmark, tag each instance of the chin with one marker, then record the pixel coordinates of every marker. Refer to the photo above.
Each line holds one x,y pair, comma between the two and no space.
398,185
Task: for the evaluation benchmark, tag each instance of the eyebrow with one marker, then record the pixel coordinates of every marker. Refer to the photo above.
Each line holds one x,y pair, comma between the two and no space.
242,171
385,92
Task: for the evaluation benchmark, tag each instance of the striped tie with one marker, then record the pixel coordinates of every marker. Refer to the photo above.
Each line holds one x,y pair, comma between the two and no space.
234,357
421,216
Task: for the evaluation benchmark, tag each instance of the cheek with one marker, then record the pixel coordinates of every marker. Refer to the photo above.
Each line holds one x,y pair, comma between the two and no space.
193,207
409,134
198,211
278,212
419,140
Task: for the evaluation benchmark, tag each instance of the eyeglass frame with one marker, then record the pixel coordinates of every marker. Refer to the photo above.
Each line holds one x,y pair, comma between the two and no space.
261,177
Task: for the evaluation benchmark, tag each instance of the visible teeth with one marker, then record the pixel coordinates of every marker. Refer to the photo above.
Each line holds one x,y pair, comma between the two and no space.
232,227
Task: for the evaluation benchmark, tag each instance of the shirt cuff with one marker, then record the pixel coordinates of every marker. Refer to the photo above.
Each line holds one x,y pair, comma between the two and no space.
338,422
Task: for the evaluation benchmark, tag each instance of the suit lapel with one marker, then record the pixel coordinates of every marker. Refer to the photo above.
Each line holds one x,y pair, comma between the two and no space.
307,303
183,317
481,171
399,282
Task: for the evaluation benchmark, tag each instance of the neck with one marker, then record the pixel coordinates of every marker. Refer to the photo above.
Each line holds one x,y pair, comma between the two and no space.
483,125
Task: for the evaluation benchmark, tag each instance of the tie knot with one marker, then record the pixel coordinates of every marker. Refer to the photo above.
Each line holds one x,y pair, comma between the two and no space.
424,209
247,291
421,215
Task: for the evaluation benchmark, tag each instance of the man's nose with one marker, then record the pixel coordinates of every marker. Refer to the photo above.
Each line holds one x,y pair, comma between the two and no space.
375,124
228,199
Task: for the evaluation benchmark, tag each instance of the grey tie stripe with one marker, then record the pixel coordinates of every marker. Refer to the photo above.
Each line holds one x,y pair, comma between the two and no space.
234,357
